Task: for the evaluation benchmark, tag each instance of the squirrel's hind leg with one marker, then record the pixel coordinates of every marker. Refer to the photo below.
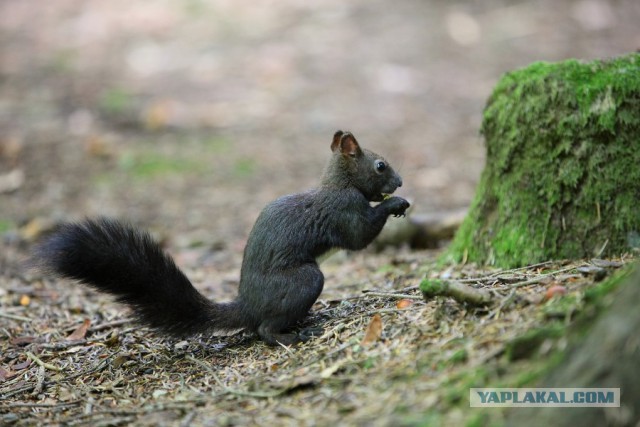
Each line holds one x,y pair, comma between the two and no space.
270,332
304,285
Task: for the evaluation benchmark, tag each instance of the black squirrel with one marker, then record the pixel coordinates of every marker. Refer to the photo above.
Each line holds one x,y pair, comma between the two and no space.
280,279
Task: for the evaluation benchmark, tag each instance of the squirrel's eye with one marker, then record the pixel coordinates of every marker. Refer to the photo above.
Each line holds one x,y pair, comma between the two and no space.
380,166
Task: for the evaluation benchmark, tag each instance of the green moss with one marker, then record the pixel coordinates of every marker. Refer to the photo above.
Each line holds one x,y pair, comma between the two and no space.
527,359
561,178
526,345
369,363
535,371
456,389
561,307
115,101
478,419
217,144
595,294
6,225
459,356
244,167
432,287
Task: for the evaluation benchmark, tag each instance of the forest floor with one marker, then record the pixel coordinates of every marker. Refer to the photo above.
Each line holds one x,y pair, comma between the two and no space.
186,118
386,357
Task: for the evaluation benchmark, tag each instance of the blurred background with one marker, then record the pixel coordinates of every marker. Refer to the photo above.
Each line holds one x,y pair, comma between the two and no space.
189,116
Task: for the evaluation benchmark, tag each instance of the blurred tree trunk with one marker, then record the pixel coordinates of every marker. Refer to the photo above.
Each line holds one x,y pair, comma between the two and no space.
609,356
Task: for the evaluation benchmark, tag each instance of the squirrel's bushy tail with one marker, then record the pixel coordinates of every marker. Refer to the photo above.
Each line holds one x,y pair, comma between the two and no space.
118,259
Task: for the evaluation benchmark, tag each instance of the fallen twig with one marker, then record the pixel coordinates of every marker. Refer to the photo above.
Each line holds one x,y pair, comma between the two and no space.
62,345
41,363
15,317
39,381
541,277
497,274
391,295
505,302
456,290
14,405
388,310
101,326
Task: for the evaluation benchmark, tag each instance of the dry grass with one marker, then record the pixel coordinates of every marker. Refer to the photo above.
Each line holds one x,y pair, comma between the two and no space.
418,370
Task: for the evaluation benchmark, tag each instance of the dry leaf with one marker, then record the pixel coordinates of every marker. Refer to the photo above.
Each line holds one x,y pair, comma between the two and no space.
80,332
120,359
327,372
22,365
404,303
75,349
36,228
97,146
553,291
23,340
6,374
158,115
374,331
11,181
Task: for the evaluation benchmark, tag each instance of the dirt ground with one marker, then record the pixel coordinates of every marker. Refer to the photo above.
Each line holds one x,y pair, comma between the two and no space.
186,118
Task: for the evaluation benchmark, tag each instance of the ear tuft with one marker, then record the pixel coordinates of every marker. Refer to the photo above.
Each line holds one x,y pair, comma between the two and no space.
335,144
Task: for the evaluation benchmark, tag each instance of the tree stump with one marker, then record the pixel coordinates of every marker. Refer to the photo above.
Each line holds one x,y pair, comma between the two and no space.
562,174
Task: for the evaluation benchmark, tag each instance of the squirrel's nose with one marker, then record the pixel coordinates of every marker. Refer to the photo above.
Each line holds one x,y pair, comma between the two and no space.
399,181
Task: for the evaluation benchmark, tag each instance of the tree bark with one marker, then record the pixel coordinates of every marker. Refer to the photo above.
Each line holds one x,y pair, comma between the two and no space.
607,357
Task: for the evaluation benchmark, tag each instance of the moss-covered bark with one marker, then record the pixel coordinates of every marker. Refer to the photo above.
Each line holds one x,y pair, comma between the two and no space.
606,357
562,175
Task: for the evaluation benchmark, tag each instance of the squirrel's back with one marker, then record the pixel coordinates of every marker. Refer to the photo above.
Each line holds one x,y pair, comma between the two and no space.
295,228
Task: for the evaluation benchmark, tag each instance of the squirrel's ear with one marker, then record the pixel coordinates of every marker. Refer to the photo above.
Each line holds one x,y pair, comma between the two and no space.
335,144
349,146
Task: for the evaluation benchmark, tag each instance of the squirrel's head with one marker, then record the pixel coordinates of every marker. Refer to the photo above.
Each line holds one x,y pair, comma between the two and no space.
360,168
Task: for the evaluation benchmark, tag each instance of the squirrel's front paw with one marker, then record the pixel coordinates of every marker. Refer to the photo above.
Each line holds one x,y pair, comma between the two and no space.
397,206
